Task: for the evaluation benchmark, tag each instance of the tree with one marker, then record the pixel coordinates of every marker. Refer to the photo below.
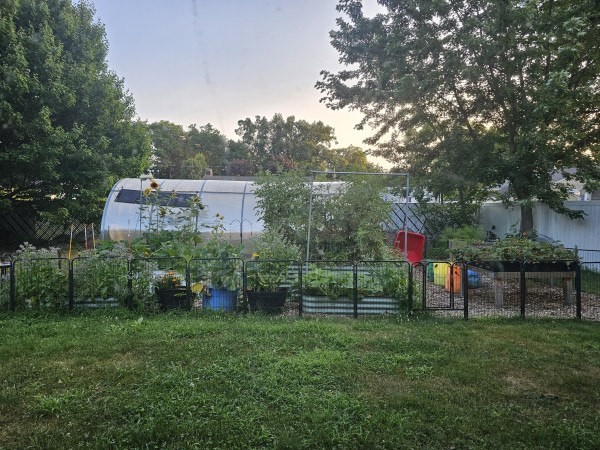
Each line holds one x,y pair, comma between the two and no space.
212,144
186,154
67,124
170,148
509,89
349,159
284,143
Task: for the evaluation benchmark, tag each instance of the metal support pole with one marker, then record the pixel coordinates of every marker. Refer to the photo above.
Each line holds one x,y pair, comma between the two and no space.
465,289
406,219
522,290
578,291
12,302
71,285
310,201
130,284
355,289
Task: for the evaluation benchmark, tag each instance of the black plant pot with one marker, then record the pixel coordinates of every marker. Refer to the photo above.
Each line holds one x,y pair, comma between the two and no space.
267,302
173,299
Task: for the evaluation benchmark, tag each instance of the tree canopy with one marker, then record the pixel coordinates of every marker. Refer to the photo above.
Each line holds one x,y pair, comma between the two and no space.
67,124
470,94
282,145
186,154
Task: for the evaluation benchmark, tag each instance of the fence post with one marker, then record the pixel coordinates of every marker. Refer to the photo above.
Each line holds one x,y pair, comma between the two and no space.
71,285
465,289
188,279
410,287
130,283
522,289
424,286
451,282
578,291
300,270
11,298
355,288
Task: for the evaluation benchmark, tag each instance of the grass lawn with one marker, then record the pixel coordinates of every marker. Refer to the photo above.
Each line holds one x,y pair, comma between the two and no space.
112,380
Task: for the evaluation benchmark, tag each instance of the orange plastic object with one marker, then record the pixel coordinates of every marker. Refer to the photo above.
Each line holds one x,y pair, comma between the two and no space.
415,243
453,272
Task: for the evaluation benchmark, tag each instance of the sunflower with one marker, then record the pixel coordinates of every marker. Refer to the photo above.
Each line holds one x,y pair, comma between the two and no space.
154,185
147,192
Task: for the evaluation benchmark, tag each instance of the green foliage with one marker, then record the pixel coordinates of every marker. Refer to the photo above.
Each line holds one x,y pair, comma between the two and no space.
100,276
466,95
186,154
68,125
224,268
345,221
329,283
516,249
388,280
282,144
382,280
41,279
271,260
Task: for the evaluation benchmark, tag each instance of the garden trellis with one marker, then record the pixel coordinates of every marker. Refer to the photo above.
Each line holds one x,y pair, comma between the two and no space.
334,173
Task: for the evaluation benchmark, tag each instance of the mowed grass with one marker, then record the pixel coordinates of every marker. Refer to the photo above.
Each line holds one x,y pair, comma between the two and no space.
109,379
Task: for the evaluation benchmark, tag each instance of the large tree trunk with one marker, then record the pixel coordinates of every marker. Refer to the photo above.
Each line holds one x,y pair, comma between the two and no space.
526,220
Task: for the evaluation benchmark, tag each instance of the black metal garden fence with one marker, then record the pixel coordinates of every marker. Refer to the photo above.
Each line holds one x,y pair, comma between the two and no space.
556,289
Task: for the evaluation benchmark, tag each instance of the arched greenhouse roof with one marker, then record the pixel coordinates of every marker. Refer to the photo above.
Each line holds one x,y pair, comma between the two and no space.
128,212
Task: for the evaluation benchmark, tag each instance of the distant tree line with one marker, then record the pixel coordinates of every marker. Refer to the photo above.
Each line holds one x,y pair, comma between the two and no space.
276,145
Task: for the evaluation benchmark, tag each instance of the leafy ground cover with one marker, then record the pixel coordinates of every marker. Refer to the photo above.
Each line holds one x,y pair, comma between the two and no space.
109,379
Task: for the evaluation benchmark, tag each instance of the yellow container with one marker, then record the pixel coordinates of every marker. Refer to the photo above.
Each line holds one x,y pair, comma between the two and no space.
440,271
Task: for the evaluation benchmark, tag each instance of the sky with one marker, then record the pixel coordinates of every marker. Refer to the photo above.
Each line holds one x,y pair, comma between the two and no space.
220,61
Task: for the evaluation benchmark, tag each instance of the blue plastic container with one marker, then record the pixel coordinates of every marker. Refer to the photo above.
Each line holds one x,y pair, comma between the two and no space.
220,299
474,279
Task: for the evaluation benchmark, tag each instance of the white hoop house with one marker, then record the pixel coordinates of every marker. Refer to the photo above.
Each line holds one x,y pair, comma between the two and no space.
127,211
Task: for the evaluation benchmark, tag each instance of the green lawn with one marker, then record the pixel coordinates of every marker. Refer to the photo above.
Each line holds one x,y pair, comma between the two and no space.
112,380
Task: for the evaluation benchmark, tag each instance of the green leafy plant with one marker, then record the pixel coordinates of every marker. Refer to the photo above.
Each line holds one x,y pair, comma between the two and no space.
516,249
41,278
271,260
102,274
222,269
329,283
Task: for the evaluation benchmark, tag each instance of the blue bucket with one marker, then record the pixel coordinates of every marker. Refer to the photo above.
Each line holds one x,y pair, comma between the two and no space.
220,299
474,279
